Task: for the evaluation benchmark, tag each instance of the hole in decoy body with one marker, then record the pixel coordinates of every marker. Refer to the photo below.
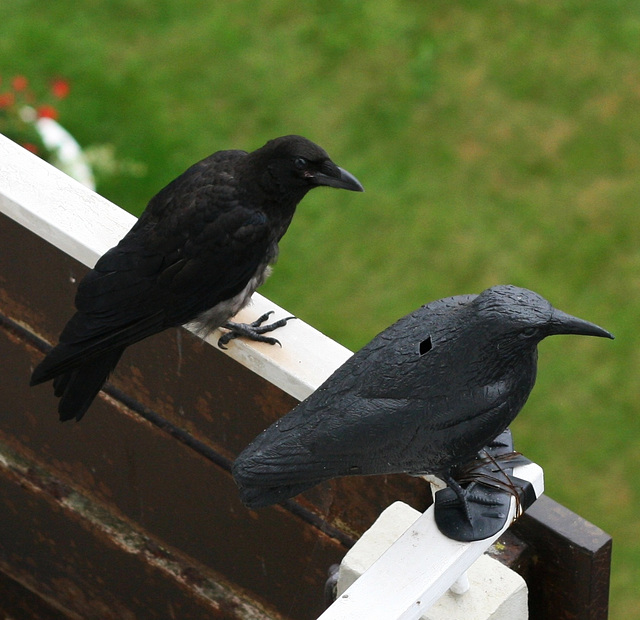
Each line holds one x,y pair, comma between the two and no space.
425,345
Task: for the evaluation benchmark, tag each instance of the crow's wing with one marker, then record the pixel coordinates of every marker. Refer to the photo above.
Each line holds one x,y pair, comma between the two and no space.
326,438
177,275
195,246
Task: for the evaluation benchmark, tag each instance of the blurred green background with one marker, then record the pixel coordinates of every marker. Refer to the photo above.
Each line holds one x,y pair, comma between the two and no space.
498,142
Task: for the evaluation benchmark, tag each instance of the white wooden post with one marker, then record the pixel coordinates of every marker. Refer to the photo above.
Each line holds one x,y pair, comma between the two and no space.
417,570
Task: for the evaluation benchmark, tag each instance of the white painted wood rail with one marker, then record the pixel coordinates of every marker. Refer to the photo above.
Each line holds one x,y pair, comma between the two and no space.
418,568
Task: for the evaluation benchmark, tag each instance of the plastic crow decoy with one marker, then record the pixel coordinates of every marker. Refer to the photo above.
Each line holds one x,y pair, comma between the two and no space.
423,397
201,248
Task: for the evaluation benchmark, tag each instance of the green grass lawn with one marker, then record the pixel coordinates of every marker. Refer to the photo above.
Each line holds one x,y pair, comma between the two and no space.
498,142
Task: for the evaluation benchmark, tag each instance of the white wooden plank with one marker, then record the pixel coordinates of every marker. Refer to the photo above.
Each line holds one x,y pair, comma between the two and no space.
57,207
85,225
489,590
417,569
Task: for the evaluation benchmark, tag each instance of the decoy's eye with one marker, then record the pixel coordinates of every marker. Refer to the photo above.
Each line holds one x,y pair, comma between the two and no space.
527,332
300,163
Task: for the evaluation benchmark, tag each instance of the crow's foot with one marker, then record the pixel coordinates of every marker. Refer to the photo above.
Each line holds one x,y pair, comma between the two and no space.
252,331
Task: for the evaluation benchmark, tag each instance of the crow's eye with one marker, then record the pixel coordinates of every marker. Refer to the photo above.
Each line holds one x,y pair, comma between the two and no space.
527,332
300,163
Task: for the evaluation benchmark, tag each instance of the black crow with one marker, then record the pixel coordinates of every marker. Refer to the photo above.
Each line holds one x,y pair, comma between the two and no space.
422,397
201,248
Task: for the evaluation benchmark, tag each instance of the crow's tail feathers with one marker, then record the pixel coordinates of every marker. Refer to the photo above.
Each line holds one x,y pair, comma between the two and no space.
86,354
263,481
84,339
78,387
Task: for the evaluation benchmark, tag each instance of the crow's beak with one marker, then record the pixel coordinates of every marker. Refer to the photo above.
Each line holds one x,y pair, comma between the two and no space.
563,323
339,178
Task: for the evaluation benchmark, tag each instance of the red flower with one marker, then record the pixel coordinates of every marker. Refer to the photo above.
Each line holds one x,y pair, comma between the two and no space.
30,147
60,88
47,111
20,83
7,99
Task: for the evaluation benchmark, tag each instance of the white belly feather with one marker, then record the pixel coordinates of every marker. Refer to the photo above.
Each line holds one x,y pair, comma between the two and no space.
212,318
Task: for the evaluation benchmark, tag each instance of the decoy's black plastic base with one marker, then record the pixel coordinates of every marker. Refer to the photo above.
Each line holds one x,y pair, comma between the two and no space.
481,508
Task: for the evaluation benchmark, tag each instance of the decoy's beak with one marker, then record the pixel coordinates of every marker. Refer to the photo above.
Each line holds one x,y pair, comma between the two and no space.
563,323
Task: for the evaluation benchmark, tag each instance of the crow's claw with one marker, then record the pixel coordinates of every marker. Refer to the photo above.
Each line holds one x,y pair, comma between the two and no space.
253,331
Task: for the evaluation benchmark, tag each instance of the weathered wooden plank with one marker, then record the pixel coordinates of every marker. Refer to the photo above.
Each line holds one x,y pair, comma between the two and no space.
19,603
65,548
170,491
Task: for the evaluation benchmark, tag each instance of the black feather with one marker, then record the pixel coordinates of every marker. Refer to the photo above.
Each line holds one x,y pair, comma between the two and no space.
78,387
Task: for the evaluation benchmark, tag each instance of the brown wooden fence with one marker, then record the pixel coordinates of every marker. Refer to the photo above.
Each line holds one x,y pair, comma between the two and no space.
133,513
